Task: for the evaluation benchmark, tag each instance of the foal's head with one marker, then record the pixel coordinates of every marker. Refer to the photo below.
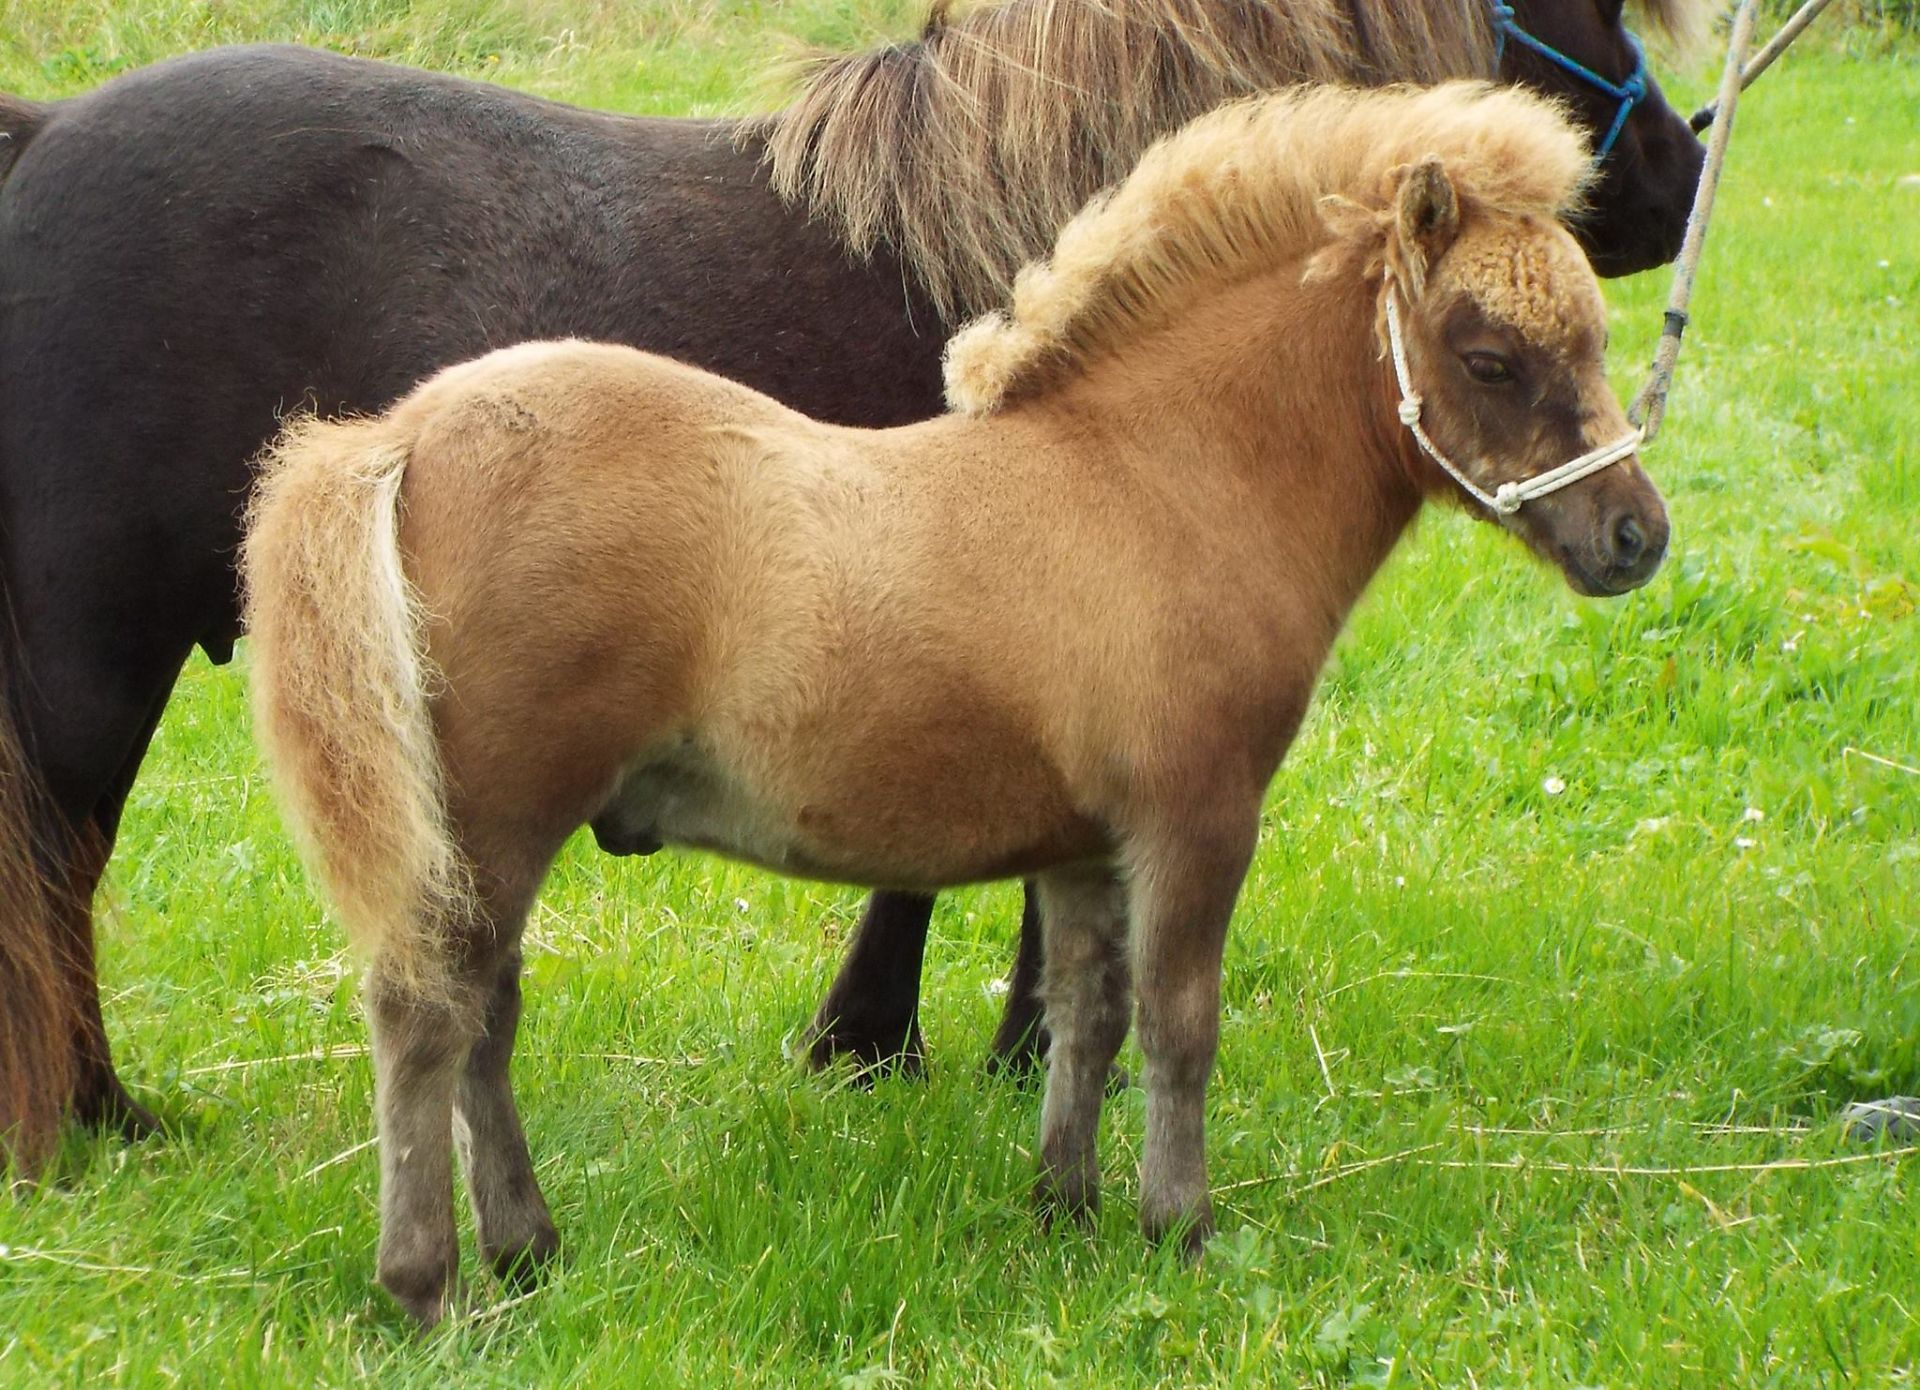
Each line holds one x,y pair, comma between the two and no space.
1502,346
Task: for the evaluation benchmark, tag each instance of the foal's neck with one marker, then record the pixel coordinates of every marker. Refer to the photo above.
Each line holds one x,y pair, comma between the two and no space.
1271,402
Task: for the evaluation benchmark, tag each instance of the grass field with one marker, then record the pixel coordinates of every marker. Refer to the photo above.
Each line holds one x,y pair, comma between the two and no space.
1573,925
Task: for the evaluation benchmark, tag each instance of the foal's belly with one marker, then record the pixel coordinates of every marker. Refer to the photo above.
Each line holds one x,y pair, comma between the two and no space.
882,831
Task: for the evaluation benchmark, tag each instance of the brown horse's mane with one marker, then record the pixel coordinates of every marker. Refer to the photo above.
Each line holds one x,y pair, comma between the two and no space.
1238,192
967,150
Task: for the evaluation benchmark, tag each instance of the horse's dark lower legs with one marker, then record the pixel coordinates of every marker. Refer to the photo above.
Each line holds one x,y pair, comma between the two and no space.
871,1012
510,1216
1184,886
440,1077
100,1099
1022,1038
91,807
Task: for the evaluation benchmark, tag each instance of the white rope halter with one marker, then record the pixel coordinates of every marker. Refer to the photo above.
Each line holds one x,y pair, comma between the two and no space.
1508,497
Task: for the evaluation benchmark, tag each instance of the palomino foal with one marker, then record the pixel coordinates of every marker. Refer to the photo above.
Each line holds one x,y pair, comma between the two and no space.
1068,630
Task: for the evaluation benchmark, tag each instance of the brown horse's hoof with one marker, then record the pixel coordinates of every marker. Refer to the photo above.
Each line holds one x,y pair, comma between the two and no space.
1188,1231
426,1294
873,1051
106,1108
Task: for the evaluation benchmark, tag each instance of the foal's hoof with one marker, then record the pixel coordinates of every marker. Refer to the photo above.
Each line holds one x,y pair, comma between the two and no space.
1189,1230
1896,1117
1059,1198
521,1265
424,1296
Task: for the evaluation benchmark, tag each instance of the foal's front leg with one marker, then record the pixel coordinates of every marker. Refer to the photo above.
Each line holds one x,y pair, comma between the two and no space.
1183,891
1085,993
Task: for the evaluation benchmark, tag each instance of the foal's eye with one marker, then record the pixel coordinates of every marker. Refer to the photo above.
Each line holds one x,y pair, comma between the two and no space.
1487,369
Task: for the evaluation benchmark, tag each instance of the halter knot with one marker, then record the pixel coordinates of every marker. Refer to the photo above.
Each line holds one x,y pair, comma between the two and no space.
1410,408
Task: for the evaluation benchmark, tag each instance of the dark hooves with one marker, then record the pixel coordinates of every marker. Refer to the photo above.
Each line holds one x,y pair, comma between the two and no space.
111,1110
1059,1202
874,1052
1896,1118
1020,1065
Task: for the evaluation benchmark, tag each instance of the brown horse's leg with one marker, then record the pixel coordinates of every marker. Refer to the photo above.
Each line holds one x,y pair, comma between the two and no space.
871,1012
100,1100
1183,899
419,1051
1022,1038
1086,1002
515,1230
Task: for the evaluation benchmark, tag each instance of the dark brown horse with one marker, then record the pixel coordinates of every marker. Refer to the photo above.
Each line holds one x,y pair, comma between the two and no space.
198,248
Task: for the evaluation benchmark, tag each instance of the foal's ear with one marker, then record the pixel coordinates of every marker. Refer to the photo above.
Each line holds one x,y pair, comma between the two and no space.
1426,217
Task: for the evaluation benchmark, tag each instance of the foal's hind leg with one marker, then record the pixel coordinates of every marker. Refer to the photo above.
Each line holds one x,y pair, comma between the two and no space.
515,1230
420,1048
1085,989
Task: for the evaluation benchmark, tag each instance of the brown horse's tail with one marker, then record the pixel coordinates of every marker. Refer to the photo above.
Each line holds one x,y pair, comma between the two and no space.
20,121
341,693
36,1021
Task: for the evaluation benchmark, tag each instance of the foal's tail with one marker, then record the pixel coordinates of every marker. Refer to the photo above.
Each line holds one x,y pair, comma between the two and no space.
341,687
36,1019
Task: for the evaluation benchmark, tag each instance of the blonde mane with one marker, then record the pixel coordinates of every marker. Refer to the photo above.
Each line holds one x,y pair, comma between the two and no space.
1237,192
967,150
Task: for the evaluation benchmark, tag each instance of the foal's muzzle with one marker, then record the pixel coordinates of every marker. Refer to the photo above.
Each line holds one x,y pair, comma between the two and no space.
1625,552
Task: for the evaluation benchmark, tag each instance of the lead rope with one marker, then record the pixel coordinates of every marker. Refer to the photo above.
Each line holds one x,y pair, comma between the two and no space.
1650,406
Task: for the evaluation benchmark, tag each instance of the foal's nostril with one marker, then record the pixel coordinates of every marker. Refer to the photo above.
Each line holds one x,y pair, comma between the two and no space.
1629,542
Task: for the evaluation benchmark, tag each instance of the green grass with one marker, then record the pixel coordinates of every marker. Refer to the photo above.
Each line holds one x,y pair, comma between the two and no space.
1464,1015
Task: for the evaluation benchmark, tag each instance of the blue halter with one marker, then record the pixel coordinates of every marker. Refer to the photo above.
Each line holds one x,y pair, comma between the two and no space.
1630,91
